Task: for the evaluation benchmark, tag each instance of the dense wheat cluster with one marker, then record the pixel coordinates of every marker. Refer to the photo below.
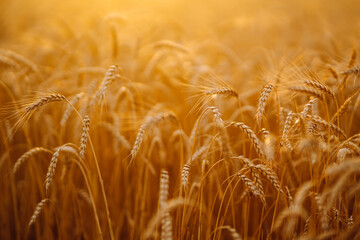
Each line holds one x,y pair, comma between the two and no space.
179,119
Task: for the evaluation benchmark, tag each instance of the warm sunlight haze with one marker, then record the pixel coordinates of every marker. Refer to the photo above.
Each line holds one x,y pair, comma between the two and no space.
179,119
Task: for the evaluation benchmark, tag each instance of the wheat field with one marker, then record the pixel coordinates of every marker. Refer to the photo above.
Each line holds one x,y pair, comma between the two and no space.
179,119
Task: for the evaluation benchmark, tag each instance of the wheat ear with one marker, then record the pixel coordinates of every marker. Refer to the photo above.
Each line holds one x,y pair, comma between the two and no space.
252,187
320,86
320,121
42,101
352,59
166,221
353,70
84,136
226,149
227,91
271,176
308,107
37,211
333,72
288,123
262,102
171,45
149,121
234,234
258,183
344,107
69,108
187,167
8,61
21,59
51,170
110,76
27,155
307,90
251,135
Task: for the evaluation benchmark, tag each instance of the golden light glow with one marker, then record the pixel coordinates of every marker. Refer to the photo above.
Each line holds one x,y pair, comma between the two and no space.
179,119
